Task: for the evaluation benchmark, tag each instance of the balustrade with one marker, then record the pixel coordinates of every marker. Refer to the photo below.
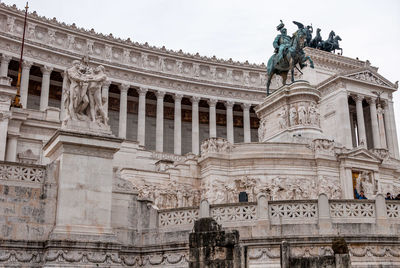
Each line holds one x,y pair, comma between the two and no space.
21,172
282,212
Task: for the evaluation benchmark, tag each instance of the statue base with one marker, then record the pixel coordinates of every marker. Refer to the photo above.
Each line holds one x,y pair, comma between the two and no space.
85,175
86,126
290,114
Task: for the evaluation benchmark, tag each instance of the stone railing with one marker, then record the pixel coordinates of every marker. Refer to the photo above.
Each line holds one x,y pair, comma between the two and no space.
181,217
286,212
393,210
293,212
21,172
234,212
352,210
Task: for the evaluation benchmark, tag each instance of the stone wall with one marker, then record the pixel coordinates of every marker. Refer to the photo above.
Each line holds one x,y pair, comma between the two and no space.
27,201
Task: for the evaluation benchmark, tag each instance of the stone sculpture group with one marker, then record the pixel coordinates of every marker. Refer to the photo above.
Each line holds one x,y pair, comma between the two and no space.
83,95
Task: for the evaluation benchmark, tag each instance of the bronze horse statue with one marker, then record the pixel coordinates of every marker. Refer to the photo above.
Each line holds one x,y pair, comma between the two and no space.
293,55
331,45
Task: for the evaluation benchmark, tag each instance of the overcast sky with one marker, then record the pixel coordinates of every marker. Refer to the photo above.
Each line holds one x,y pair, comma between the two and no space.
238,29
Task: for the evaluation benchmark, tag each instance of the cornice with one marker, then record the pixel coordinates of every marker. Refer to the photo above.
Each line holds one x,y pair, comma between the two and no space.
372,79
127,43
322,58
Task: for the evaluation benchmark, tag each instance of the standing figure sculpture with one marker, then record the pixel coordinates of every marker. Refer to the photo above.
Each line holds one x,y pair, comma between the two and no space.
82,99
309,31
288,53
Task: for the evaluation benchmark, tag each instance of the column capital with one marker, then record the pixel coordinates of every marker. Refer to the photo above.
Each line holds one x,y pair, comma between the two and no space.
229,104
5,58
160,94
178,97
27,64
358,97
212,102
371,100
124,87
195,99
142,91
246,106
107,83
46,70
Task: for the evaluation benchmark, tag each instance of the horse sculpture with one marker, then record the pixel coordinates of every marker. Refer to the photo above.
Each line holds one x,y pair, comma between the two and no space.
292,56
317,39
331,44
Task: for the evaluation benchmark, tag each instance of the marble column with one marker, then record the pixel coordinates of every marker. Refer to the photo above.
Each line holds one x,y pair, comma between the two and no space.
229,121
374,123
123,105
160,121
104,95
381,124
5,61
362,137
343,134
63,90
178,124
142,116
394,130
26,67
246,122
212,118
44,91
11,151
388,128
195,124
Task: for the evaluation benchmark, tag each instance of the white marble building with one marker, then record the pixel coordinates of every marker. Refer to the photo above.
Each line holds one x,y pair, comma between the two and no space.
189,128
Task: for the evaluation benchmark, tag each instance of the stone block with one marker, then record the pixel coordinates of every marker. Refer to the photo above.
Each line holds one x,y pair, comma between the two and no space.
84,184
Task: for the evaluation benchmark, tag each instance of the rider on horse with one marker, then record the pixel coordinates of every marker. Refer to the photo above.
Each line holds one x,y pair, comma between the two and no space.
282,41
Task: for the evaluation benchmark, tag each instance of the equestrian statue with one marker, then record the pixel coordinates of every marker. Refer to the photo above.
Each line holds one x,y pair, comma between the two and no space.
288,53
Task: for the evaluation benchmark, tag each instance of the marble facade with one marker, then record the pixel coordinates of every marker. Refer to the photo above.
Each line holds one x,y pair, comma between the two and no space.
186,135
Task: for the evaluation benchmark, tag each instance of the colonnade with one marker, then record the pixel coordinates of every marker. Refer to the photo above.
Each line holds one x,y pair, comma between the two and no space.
160,94
142,91
382,123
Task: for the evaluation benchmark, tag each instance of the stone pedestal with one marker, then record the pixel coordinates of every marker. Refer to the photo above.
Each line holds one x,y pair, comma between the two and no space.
84,185
210,246
290,114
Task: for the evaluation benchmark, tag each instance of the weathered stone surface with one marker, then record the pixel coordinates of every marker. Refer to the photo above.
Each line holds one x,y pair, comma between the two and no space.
210,246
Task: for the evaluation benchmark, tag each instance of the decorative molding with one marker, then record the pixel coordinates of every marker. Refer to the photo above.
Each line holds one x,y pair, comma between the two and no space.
21,172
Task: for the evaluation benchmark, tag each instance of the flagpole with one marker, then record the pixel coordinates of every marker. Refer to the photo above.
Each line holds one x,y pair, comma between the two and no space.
16,102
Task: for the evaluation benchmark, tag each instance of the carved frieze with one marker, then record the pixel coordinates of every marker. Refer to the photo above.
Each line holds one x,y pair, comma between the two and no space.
220,191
